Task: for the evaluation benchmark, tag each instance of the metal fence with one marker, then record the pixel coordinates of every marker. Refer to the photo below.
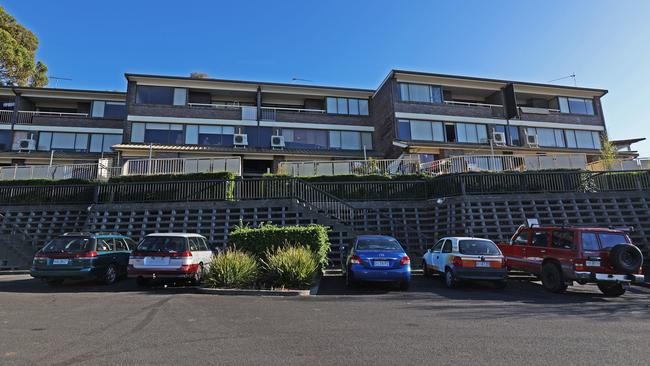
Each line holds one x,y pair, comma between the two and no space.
346,167
55,172
182,166
620,165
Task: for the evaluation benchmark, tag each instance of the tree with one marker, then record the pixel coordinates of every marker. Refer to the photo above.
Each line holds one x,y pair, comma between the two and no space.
608,153
17,54
199,75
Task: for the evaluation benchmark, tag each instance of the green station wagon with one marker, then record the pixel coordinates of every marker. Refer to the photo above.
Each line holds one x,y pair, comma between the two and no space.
83,255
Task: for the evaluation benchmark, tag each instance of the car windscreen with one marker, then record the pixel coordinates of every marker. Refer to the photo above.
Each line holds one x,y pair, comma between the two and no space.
609,240
382,244
163,244
478,247
69,244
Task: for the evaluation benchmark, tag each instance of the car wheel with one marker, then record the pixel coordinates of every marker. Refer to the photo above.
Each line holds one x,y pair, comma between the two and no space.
54,281
425,269
450,279
404,285
142,282
611,289
500,285
110,275
552,278
198,276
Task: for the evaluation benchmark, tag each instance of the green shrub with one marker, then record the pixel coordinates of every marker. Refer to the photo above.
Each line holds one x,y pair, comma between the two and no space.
173,177
289,267
232,269
43,182
258,240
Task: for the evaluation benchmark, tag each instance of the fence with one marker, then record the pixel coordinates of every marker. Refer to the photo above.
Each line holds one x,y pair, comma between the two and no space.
56,172
345,167
181,166
620,165
283,188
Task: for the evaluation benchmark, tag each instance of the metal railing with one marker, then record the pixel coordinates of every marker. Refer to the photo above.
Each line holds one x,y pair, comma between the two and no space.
182,166
270,113
6,116
55,172
248,113
474,163
619,165
345,167
473,104
26,117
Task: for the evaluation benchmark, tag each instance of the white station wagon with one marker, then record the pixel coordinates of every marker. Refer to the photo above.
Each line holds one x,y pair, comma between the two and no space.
461,258
170,256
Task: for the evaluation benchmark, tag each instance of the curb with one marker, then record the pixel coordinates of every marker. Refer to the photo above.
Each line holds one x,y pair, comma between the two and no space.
246,292
14,272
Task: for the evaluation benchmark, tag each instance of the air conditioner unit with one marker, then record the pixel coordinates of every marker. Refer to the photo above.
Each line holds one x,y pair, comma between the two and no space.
240,140
27,144
532,141
277,142
499,138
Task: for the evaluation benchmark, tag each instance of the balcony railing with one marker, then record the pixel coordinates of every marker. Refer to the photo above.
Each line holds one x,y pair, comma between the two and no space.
345,167
56,172
270,113
182,166
537,110
26,117
6,116
619,165
248,113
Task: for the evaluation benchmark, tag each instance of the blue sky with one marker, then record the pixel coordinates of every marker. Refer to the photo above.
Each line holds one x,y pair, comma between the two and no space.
354,43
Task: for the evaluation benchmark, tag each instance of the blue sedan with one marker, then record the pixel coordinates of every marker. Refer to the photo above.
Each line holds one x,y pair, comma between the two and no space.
376,258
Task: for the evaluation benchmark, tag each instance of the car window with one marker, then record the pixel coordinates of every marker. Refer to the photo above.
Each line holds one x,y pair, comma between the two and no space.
447,247
204,244
68,244
163,244
540,239
521,239
194,244
563,240
104,245
609,240
478,247
131,243
378,244
120,245
589,241
438,247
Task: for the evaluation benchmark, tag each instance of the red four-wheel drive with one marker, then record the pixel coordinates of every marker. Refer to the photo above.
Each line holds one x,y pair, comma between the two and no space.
563,255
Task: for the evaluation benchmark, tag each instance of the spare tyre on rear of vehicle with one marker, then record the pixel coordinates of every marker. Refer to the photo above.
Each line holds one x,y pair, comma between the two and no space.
626,258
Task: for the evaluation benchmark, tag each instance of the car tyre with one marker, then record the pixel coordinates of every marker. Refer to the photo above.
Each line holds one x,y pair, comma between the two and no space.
450,279
404,285
110,275
552,278
142,282
611,289
425,270
54,281
197,279
500,285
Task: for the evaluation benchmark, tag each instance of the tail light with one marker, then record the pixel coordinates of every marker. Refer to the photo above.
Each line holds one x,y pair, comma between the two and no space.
181,254
503,262
355,259
579,264
457,262
88,255
405,260
40,255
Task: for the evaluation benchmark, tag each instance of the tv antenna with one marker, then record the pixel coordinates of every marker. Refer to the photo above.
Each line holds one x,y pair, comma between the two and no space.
300,79
572,76
57,79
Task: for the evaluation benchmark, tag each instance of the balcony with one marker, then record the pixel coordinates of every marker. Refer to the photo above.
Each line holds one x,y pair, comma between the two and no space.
6,116
554,115
197,110
303,115
453,108
63,119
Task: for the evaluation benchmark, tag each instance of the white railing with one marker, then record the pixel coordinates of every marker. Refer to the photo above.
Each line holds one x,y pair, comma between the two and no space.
248,113
55,172
269,113
215,105
556,161
25,117
473,104
6,116
344,167
182,166
620,164
473,163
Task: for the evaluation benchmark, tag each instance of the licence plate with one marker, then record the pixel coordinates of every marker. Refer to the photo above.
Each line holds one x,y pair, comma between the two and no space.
483,264
156,261
381,263
60,261
592,263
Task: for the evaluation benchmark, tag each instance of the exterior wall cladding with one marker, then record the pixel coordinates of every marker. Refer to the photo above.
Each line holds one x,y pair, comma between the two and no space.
384,106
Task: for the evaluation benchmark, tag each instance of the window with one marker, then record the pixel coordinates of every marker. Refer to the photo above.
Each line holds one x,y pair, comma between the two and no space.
478,247
513,136
540,239
378,244
102,109
366,140
194,244
203,244
131,243
563,240
447,247
146,94
163,133
548,137
109,141
576,105
349,106
521,239
608,241
104,245
305,139
120,245
62,141
471,133
571,139
420,93
209,135
438,247
424,130
589,241
404,129
350,140
588,139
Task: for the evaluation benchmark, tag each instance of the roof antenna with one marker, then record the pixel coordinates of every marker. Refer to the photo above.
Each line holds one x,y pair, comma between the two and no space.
300,79
57,79
572,76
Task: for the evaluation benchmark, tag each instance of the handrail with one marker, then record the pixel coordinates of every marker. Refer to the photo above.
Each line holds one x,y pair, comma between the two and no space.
472,104
216,105
59,114
294,109
6,116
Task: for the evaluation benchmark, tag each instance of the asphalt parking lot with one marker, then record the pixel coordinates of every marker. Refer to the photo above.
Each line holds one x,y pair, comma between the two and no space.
88,324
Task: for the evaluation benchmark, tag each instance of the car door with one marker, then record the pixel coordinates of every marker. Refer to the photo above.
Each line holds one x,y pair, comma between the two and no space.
516,256
105,252
537,250
428,255
445,253
121,252
434,258
563,248
207,253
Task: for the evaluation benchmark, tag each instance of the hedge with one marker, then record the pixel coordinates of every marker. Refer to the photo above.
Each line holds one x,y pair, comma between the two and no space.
266,237
173,177
43,182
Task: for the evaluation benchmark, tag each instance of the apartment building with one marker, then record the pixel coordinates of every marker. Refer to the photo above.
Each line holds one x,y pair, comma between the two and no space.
65,125
432,116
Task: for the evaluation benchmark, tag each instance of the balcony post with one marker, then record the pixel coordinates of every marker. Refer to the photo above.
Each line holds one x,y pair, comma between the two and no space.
258,100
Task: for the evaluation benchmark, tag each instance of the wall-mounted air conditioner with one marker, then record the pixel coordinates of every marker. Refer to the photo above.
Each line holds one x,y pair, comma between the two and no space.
240,140
532,141
277,142
27,144
499,138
